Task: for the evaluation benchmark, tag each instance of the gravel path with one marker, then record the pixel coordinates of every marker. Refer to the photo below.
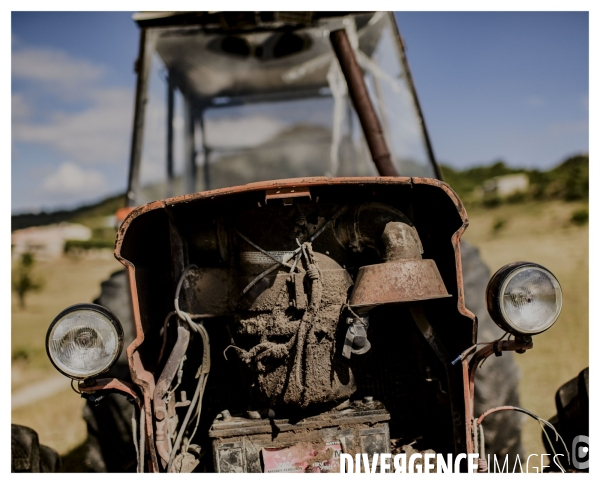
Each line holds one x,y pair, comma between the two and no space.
39,391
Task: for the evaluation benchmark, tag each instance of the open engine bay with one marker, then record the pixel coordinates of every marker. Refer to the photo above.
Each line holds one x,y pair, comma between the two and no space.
281,324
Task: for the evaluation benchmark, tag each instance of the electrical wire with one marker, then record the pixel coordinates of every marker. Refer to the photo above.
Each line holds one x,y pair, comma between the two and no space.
76,390
135,438
198,417
540,421
164,335
184,424
201,374
361,319
471,349
179,377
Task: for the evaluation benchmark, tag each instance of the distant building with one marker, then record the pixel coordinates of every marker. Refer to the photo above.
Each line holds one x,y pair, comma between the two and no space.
504,186
47,242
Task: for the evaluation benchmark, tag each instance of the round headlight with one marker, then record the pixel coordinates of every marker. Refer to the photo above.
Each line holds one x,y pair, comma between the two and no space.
524,298
84,341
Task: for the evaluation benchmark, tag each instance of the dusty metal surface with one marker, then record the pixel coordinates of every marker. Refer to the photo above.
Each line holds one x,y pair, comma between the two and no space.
396,282
401,241
357,90
293,361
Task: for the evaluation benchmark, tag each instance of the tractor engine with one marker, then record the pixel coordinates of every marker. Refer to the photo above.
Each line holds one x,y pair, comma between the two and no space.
290,328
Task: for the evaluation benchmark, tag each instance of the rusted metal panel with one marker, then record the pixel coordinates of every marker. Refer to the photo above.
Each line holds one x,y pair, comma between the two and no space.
162,385
140,376
469,403
396,282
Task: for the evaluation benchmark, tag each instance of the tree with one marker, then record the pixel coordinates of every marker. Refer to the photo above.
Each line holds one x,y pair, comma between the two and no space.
23,279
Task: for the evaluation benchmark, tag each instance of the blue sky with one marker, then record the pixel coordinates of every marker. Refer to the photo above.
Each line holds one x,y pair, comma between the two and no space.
493,85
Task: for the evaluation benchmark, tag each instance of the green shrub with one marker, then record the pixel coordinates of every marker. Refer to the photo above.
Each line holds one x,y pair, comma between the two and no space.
492,201
21,354
517,197
88,244
24,280
498,225
580,217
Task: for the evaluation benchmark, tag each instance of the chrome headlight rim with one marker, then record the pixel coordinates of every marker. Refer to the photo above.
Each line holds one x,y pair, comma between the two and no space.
495,290
113,320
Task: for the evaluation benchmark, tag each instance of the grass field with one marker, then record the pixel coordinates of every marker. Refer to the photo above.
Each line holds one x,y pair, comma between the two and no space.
535,232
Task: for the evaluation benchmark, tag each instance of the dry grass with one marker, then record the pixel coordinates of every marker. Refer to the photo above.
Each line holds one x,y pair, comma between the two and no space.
57,419
543,233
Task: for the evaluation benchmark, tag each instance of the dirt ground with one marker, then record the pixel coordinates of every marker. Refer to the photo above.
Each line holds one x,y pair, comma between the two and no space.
535,232
543,233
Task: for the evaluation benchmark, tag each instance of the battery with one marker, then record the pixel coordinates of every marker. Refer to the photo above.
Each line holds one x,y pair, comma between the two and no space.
313,444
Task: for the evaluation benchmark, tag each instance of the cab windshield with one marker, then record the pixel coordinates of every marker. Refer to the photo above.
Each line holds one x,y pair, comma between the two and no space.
230,106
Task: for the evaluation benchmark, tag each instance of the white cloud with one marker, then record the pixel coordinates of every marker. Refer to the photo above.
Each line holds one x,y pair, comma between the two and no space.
20,107
98,134
241,132
70,179
53,66
64,105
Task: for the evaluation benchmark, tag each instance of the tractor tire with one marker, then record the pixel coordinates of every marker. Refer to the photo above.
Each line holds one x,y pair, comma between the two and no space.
27,455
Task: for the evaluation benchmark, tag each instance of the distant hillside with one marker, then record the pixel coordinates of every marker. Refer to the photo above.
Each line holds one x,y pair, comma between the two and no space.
88,214
568,181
